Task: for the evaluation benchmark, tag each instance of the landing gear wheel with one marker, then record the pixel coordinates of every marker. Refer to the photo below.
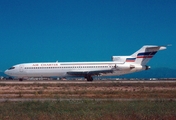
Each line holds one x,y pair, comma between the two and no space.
89,78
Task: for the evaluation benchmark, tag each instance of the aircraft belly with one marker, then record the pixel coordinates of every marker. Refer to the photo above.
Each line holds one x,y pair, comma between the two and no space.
44,73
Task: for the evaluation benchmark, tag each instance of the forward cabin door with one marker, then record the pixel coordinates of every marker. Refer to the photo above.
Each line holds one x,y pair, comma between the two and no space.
21,68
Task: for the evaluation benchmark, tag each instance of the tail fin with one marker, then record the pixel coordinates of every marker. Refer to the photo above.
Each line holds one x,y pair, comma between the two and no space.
143,55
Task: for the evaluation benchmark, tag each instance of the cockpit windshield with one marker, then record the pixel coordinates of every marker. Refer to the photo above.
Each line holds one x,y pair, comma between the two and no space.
11,68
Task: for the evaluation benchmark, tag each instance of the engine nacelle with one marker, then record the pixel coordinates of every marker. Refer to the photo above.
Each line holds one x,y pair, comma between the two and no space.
139,67
131,67
119,59
122,67
147,67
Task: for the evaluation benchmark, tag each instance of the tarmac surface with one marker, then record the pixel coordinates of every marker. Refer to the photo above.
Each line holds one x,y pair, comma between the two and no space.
82,81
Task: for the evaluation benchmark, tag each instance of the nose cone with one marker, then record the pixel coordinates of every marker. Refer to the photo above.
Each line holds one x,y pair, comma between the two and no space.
6,72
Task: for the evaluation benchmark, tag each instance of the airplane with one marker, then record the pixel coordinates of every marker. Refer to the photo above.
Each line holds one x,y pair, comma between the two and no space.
119,65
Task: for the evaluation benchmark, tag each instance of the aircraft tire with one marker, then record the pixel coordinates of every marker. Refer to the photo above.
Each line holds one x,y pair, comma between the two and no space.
89,78
21,79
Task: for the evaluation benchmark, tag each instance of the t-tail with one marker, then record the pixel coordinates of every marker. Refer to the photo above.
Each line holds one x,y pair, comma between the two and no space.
140,57
143,55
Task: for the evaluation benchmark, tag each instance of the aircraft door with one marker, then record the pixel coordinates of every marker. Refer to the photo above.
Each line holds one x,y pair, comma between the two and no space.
21,67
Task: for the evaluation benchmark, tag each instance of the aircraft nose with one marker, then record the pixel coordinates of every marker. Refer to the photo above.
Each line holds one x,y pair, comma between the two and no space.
6,72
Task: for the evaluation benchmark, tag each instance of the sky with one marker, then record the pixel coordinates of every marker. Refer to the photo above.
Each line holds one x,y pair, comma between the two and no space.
85,30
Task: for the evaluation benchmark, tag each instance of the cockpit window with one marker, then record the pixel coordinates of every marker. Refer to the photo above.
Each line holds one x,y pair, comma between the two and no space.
11,68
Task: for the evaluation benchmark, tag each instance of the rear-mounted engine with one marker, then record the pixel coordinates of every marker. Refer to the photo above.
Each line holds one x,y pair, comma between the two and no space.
147,67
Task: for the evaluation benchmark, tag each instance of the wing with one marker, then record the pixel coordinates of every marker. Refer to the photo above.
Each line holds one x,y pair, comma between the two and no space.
92,72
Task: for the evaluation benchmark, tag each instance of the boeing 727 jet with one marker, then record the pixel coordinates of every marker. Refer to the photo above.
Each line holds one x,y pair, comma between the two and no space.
118,66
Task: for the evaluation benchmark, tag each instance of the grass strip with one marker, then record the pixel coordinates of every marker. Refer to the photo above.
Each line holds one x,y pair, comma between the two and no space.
88,109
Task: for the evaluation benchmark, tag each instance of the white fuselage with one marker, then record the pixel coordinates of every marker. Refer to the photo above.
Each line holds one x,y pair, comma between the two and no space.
118,66
60,69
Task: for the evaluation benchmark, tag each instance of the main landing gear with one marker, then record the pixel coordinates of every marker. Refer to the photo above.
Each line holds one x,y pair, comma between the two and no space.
89,78
20,79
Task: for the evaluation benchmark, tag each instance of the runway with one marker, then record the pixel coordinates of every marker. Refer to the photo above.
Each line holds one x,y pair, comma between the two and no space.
81,81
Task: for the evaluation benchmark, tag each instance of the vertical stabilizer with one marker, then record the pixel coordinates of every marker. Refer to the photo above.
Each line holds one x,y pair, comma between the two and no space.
143,55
